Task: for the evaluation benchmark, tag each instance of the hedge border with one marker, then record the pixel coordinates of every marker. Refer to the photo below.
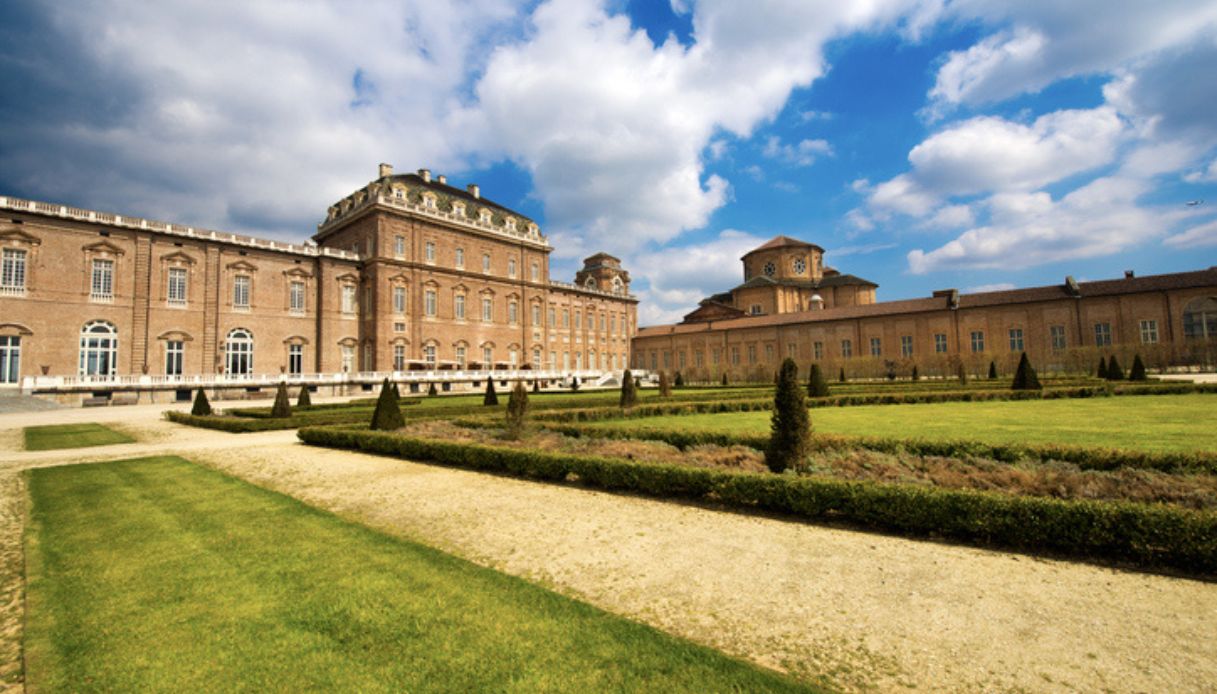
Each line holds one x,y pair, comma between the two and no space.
1146,535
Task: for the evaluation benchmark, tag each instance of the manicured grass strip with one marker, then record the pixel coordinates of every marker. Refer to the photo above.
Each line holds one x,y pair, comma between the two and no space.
157,575
1168,423
55,436
1150,535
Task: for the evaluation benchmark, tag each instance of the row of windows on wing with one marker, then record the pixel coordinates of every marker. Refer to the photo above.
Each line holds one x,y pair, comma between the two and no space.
432,357
431,201
1017,343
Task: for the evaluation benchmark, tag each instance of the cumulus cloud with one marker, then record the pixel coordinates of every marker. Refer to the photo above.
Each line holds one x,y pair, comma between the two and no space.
995,287
802,154
681,275
1202,235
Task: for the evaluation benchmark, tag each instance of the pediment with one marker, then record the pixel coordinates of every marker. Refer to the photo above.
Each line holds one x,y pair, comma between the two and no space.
348,342
296,340
348,277
8,329
177,335
298,272
400,278
178,257
242,266
12,235
102,247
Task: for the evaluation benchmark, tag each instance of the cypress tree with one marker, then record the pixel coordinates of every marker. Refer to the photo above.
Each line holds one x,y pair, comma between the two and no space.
841,377
1102,372
201,407
1114,372
817,387
629,395
517,410
305,400
790,429
916,373
680,381
1025,377
665,388
962,372
395,391
283,406
724,378
535,387
387,415
1138,369
491,398
992,371
431,389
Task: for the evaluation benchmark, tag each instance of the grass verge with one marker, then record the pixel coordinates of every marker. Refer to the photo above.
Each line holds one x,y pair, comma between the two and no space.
56,436
157,575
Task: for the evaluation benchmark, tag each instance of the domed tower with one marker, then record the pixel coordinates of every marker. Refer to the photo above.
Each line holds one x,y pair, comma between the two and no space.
603,272
784,258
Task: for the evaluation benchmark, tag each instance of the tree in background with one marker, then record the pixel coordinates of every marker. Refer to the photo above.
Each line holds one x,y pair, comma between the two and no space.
1114,372
841,377
817,387
916,373
1025,377
790,428
491,398
724,378
201,407
517,410
283,406
962,372
395,391
680,381
1138,369
1102,372
629,394
992,371
387,415
665,388
304,400
431,389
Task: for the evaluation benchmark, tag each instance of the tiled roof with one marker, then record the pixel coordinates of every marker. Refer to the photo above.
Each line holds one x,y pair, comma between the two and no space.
781,241
832,281
453,191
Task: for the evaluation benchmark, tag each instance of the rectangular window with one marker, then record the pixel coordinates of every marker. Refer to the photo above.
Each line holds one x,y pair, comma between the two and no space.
716,355
460,357
565,318
536,314
751,354
348,298
553,361
906,346
552,321
513,311
429,252
511,267
818,350
399,327
1016,340
429,302
1057,334
699,359
536,359
1102,334
978,341
458,306
487,309
295,359
429,355
399,246
578,319
460,258
10,358
754,310
12,271
536,273
296,297
240,291
847,348
399,300
174,352
792,350
103,280
735,355
768,354
486,263
399,357
876,347
367,300
488,357
940,343
1149,332
177,286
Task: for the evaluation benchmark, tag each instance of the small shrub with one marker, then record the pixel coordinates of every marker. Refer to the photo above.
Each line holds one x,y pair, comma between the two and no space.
679,381
1025,377
431,391
305,400
962,372
992,371
817,387
491,398
283,406
387,415
629,395
1102,371
841,377
396,392
665,388
1137,373
535,387
790,428
724,380
1114,372
517,410
916,373
201,407
574,384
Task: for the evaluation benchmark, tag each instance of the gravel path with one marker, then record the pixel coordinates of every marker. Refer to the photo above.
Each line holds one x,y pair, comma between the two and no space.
858,611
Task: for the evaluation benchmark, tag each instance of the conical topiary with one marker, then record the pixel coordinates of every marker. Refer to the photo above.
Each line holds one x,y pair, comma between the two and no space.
305,400
679,382
431,389
916,373
1114,372
387,415
283,406
817,387
201,407
1102,372
1025,377
629,395
790,428
1137,373
992,371
665,388
491,398
724,380
536,388
841,376
962,372
517,410
396,392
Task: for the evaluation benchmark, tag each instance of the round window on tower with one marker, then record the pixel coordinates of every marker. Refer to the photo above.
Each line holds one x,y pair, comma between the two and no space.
800,266
769,269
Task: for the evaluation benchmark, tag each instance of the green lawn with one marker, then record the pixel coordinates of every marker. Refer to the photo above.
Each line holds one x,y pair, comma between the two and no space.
1149,422
157,575
55,436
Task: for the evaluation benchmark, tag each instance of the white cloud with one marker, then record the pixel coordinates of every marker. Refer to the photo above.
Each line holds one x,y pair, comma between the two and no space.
1199,236
802,154
863,249
968,75
995,287
1203,175
903,195
951,217
681,275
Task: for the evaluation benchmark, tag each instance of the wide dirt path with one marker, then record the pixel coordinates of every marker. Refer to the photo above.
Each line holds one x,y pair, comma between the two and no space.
860,611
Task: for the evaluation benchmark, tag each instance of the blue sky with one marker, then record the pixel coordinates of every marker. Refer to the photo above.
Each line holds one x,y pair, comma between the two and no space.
925,145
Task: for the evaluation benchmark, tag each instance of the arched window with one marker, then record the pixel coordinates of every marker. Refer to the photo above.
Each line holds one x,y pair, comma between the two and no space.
618,286
98,349
239,353
1200,318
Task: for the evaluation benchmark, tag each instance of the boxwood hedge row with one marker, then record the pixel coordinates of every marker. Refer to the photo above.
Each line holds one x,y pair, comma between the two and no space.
1149,535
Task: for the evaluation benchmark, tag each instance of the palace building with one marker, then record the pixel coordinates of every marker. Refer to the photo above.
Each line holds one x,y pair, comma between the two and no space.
791,305
407,273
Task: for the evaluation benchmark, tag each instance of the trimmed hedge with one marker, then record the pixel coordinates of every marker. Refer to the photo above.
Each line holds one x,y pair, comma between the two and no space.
1148,535
1203,462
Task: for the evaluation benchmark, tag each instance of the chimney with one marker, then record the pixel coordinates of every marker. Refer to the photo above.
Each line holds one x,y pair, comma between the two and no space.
425,174
1129,274
386,170
474,190
443,180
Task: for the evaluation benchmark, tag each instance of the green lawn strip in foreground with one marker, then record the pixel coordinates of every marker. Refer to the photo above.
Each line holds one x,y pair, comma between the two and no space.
1163,423
157,575
55,436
